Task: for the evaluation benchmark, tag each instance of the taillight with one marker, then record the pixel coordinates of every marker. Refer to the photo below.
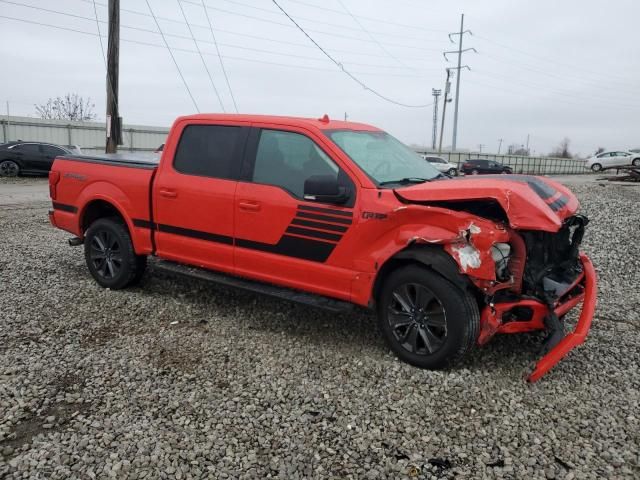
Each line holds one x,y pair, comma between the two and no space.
467,165
54,178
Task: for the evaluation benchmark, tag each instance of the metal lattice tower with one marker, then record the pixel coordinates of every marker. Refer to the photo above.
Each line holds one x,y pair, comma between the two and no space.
436,93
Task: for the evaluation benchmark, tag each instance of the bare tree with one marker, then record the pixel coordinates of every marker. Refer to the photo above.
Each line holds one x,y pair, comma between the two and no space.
562,150
515,149
70,107
600,150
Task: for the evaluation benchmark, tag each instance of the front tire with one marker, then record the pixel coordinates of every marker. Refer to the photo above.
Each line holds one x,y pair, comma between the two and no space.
596,167
9,168
110,256
452,172
426,320
636,162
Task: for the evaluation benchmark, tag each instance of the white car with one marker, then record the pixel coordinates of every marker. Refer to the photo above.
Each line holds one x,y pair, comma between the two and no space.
442,165
613,159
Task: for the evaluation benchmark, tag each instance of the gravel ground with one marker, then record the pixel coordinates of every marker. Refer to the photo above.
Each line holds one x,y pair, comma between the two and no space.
97,383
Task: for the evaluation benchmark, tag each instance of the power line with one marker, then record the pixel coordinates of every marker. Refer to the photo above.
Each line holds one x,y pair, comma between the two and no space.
224,71
322,32
382,47
241,47
230,32
228,57
184,15
341,67
172,57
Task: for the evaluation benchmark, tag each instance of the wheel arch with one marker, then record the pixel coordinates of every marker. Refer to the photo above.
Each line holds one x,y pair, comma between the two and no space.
433,257
100,208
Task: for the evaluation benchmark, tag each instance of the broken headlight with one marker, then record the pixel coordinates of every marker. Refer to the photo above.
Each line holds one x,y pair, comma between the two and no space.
500,254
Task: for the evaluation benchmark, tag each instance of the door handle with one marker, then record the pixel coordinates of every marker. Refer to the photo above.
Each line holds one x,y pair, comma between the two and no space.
165,192
249,206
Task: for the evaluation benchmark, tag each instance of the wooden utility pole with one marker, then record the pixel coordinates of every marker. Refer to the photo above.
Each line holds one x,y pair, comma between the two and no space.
114,133
447,87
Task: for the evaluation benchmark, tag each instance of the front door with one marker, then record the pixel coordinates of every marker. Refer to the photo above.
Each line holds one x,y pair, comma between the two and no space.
280,237
194,195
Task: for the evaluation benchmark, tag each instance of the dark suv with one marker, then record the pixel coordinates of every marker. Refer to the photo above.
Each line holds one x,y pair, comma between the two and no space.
477,166
28,157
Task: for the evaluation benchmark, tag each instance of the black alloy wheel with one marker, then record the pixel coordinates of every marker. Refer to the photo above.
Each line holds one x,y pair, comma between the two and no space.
417,319
9,168
105,254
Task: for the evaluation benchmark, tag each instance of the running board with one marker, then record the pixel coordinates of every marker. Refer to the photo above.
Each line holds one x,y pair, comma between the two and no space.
318,301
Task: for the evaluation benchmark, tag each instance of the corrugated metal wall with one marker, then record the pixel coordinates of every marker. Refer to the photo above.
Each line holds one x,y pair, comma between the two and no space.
89,136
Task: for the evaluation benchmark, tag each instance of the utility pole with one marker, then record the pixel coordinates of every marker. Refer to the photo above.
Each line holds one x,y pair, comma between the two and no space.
499,145
345,116
527,144
114,132
459,68
436,93
447,88
480,145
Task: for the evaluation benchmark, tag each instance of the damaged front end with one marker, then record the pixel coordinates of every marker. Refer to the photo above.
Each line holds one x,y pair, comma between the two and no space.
548,277
520,247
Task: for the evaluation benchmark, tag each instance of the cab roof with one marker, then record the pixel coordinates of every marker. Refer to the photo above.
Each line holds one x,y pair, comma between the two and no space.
322,123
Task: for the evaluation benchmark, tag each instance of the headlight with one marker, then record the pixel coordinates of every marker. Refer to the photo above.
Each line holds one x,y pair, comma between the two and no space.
500,254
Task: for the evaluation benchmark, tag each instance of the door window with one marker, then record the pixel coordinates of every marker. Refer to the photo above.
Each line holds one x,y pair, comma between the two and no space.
287,159
208,151
52,151
28,148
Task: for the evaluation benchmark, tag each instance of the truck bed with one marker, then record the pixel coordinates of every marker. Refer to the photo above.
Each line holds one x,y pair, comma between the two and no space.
117,159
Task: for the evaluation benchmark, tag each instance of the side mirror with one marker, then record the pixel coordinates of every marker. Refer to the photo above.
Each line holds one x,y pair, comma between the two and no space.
325,189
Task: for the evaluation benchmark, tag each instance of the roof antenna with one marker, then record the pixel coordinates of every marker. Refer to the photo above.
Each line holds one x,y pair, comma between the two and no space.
324,119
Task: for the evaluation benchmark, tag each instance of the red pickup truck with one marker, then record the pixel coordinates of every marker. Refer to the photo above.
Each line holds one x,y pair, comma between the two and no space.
336,214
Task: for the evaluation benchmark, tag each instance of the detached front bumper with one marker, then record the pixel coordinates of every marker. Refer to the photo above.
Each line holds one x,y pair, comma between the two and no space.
494,318
575,338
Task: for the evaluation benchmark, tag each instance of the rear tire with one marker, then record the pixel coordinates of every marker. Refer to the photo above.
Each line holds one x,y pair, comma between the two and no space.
596,167
426,320
9,168
636,162
474,172
110,256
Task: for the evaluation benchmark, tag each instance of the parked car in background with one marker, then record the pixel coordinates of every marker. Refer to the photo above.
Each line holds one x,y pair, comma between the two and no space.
477,166
618,158
442,165
20,157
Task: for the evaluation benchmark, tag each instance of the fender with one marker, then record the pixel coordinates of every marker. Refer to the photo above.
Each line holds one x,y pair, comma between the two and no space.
116,197
464,238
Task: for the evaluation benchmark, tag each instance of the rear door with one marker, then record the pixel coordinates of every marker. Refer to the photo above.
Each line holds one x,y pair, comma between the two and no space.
194,194
49,154
280,237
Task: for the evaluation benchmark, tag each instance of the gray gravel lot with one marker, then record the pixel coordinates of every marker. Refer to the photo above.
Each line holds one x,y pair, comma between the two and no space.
98,384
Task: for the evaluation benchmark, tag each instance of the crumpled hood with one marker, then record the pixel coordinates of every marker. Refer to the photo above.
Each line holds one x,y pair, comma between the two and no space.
530,203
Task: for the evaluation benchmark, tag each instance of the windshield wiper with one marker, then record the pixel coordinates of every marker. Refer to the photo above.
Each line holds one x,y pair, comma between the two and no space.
406,180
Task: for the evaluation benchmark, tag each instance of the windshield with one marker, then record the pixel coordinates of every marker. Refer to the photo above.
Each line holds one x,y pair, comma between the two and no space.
386,160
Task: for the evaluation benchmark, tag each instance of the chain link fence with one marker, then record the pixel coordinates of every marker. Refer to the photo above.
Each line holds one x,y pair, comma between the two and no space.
519,164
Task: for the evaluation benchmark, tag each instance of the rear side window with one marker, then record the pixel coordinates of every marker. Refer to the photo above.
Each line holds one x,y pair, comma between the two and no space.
208,151
53,151
27,148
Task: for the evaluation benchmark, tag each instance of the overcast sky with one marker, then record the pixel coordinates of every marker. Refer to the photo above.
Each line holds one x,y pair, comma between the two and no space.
545,68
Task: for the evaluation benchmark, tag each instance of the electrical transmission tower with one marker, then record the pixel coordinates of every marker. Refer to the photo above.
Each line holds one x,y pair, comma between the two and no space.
460,51
436,93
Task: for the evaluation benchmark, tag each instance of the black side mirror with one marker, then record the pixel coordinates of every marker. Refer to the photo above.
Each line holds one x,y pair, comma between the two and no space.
325,189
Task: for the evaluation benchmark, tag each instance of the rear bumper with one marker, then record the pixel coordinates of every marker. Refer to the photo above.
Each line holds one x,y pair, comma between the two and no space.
585,292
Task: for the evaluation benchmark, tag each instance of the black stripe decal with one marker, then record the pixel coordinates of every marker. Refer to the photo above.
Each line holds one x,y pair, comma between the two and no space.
559,203
211,237
138,222
341,213
64,208
324,226
296,247
314,233
324,218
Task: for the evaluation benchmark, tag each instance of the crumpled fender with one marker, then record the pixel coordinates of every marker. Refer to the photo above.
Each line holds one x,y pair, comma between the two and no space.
465,237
